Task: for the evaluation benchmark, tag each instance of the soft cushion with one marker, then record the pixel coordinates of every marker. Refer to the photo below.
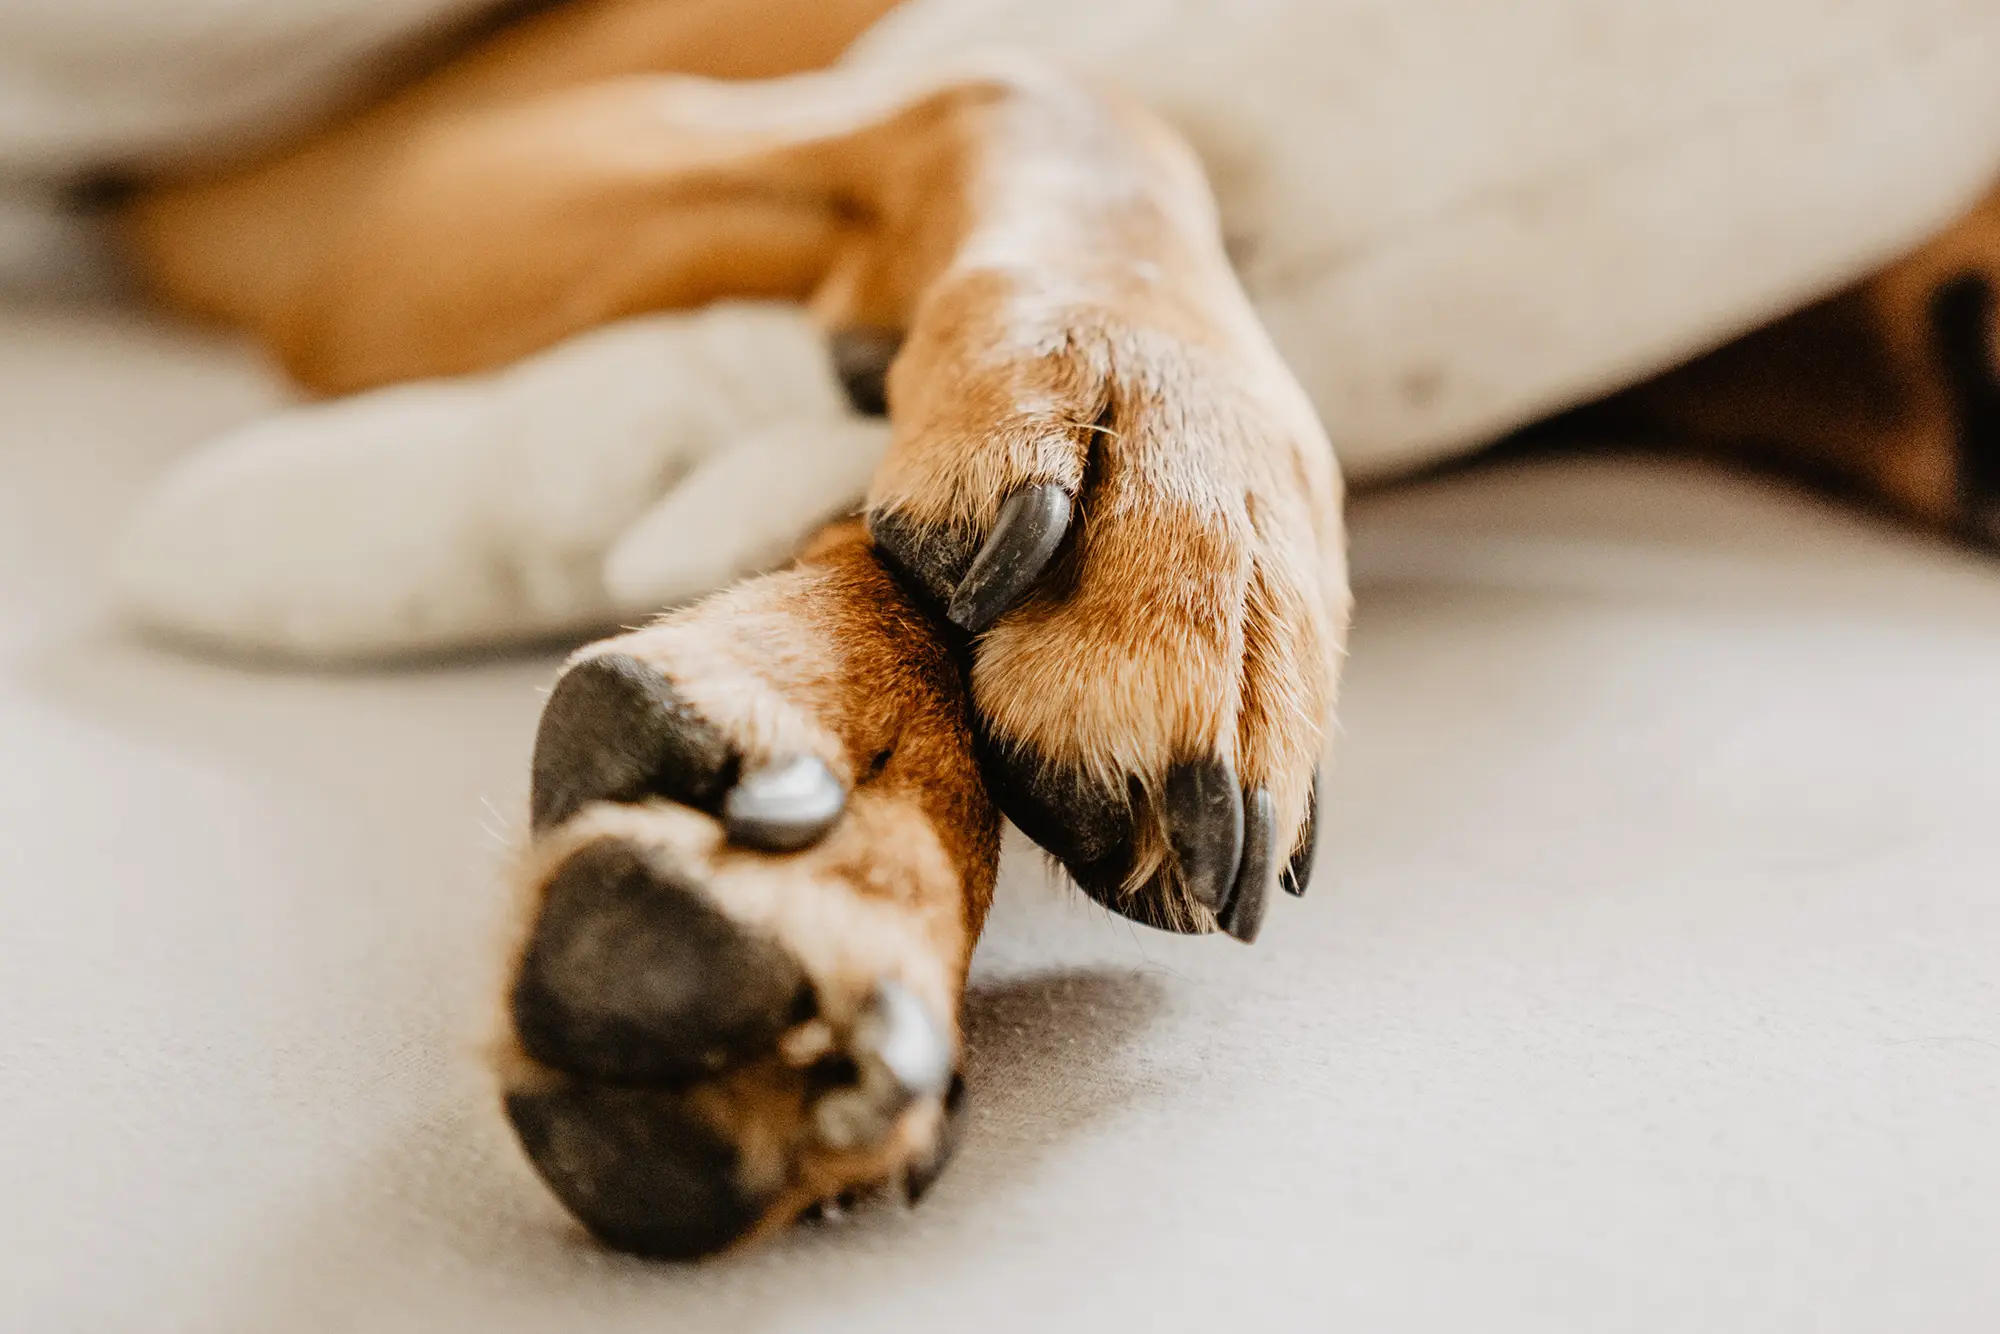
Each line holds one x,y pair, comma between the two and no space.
1456,216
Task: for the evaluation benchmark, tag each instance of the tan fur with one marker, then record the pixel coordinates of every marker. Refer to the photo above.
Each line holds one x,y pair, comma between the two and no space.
900,889
1052,251
1052,254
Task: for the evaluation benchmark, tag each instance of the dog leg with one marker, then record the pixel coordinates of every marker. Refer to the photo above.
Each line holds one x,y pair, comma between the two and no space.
249,242
1889,391
1098,465
761,856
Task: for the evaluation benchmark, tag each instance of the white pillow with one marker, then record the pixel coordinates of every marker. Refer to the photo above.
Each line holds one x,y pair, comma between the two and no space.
1458,215
91,83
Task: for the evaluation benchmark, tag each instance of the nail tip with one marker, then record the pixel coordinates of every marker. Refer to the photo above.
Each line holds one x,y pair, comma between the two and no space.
1243,916
1026,533
968,616
784,807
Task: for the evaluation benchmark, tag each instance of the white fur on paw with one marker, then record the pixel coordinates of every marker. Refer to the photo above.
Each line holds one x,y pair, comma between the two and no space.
744,510
472,511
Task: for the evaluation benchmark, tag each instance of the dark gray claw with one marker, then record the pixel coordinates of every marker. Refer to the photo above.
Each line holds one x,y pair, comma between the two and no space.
1299,872
1243,916
1030,527
785,806
1962,312
1204,812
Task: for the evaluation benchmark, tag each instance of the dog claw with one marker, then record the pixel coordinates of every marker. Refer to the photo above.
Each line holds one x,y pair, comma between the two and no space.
1243,916
785,806
1204,811
1030,526
1299,871
861,360
900,1056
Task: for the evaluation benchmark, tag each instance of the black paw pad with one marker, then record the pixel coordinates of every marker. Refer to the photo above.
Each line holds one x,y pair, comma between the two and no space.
616,730
932,558
633,977
637,1168
1082,824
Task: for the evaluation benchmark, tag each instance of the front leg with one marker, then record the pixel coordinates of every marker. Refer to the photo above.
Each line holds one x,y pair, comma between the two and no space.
762,854
1102,470
1100,467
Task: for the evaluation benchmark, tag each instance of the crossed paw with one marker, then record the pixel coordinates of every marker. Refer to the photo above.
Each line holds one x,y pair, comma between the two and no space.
1101,590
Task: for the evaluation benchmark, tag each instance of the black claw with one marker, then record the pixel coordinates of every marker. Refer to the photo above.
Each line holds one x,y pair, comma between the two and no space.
1243,916
632,976
637,1168
1204,813
1030,526
616,730
1299,871
785,806
861,359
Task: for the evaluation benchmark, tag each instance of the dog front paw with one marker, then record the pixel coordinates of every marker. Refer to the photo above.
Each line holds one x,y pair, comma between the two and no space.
761,855
1137,519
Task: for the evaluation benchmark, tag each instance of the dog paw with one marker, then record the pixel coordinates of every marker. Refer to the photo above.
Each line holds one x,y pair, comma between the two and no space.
761,856
632,467
1139,525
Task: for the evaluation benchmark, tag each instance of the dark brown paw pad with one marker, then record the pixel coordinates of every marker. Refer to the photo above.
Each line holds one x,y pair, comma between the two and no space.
632,976
639,1168
861,361
689,1065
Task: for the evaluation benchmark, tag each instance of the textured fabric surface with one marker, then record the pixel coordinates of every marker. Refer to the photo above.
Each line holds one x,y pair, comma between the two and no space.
1647,982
